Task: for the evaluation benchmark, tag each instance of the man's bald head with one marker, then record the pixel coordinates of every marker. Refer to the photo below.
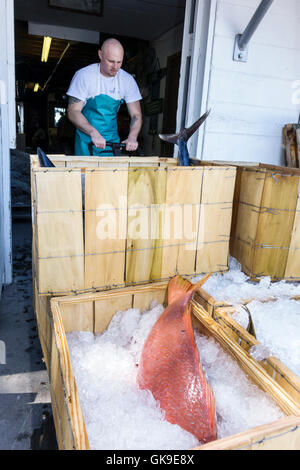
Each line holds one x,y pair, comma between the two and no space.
111,56
112,43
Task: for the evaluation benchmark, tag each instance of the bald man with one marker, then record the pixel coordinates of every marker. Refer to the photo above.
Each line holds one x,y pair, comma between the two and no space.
95,95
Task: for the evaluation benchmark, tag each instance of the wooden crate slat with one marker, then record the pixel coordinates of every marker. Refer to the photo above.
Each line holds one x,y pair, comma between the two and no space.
215,219
106,308
183,196
275,225
105,227
247,216
283,434
293,261
59,233
146,192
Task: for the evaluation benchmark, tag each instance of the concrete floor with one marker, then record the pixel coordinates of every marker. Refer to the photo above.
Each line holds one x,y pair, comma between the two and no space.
24,386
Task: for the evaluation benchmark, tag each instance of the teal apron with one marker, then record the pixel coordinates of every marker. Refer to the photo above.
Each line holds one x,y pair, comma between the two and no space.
101,112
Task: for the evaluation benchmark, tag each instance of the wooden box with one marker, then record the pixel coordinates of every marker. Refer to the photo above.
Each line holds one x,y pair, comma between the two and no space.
222,312
94,311
104,223
265,236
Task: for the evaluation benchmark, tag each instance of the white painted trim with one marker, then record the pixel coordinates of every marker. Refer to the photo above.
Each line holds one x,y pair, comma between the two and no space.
7,117
198,46
207,73
186,52
11,78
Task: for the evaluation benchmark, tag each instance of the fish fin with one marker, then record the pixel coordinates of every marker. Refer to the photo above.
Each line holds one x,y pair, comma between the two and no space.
43,159
192,129
185,133
177,286
171,138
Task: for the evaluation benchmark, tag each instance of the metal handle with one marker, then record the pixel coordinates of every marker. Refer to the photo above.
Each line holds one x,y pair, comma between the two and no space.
116,147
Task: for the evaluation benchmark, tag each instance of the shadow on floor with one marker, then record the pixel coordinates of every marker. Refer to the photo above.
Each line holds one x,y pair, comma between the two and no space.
25,407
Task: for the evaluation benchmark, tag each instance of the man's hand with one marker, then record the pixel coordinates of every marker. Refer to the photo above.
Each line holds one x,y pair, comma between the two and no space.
131,144
98,140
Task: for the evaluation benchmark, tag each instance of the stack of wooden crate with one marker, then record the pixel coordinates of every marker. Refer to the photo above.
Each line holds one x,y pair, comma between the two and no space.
81,279
265,235
291,143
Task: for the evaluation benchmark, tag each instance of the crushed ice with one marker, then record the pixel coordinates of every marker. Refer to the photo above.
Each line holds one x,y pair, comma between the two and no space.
276,323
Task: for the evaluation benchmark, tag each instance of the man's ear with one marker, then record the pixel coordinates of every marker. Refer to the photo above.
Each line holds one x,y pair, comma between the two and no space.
100,54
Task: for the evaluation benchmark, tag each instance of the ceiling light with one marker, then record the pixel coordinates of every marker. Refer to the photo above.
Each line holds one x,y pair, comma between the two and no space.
46,48
36,87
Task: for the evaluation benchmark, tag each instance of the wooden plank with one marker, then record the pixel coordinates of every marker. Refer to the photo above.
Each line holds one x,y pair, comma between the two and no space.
283,434
78,317
183,195
105,226
215,219
297,130
59,231
275,225
63,379
287,146
223,316
106,308
283,376
146,194
142,300
251,190
293,261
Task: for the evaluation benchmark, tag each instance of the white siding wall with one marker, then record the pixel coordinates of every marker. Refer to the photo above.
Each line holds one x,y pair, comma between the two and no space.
7,133
251,101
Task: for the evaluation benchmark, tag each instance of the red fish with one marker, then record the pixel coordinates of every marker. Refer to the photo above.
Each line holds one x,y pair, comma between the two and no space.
170,366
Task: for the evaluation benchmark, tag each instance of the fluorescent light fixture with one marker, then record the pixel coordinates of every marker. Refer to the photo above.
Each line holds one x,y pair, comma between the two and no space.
46,48
36,87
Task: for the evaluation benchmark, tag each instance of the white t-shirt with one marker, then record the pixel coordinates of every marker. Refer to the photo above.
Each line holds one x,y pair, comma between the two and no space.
88,82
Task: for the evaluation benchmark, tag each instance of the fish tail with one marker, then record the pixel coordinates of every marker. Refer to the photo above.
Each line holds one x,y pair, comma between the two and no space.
179,286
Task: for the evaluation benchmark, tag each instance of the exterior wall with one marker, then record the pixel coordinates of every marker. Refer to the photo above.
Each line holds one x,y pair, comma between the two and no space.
252,101
7,134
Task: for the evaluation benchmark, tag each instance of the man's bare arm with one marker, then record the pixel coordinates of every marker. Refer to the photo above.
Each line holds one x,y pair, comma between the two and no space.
77,118
135,113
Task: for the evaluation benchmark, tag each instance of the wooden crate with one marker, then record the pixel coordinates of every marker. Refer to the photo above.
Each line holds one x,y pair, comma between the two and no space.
222,312
181,225
273,366
265,236
94,311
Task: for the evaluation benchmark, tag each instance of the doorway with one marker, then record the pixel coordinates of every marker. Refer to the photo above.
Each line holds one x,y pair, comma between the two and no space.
170,102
